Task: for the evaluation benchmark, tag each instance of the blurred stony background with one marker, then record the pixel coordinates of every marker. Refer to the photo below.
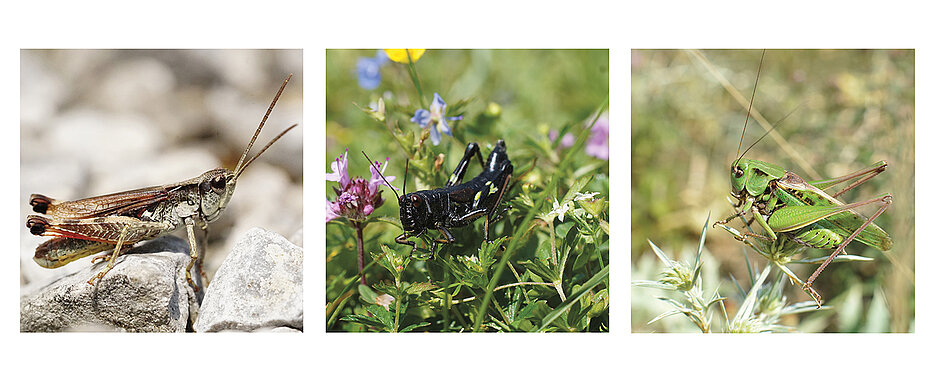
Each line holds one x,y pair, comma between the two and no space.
95,122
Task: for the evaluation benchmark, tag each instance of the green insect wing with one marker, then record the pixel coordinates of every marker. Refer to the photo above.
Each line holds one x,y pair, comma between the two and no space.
835,217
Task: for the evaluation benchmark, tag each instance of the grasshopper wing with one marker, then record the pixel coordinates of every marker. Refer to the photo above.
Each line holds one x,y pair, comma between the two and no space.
128,203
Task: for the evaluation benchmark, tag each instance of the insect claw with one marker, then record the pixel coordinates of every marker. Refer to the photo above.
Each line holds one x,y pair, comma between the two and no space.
815,295
98,277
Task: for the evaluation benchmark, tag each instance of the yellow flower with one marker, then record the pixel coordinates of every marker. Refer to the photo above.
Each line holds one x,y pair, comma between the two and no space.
399,55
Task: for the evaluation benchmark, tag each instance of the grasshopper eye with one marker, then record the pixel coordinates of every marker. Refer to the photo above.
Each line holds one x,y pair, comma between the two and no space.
218,183
738,173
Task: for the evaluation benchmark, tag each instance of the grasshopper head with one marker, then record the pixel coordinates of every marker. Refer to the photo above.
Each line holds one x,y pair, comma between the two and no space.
751,177
413,212
215,188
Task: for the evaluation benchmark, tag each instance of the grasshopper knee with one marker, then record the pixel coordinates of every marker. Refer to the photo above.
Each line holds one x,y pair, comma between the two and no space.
36,224
40,203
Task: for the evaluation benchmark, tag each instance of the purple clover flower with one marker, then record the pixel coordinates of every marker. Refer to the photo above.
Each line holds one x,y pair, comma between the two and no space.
598,144
434,118
356,197
568,139
368,70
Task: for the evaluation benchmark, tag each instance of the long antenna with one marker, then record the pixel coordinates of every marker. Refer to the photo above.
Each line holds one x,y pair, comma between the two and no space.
240,164
406,176
381,174
237,174
775,125
749,108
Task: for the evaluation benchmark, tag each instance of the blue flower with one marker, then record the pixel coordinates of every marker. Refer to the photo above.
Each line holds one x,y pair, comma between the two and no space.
368,70
434,118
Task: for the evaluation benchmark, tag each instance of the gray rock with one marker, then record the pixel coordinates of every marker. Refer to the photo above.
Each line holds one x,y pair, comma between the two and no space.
145,292
257,287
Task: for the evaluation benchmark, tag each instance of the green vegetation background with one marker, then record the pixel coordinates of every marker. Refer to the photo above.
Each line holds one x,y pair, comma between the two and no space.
535,91
848,108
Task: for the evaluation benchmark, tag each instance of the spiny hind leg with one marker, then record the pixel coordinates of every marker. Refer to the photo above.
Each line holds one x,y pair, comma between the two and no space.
458,174
106,256
885,200
113,256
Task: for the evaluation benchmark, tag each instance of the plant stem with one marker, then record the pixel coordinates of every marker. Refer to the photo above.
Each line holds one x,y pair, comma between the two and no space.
360,252
468,299
558,287
415,79
552,241
398,306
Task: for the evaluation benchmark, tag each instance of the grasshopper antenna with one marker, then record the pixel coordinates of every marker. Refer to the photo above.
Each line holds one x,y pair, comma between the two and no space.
405,175
755,82
240,164
381,173
775,126
237,173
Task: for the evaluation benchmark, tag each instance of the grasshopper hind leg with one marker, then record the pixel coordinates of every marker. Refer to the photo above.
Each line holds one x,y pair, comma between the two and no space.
112,261
492,216
885,201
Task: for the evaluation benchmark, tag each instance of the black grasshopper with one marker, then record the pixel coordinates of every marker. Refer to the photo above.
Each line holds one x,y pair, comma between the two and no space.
457,204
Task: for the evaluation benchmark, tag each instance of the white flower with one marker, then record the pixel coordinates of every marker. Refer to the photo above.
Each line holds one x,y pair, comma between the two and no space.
385,300
585,196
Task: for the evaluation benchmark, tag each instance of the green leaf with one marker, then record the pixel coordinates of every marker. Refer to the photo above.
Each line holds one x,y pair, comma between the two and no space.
411,327
575,188
664,315
367,294
420,287
653,284
541,269
365,321
745,312
662,256
385,317
586,287
599,303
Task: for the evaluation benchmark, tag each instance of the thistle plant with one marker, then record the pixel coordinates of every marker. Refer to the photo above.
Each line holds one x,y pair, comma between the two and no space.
762,306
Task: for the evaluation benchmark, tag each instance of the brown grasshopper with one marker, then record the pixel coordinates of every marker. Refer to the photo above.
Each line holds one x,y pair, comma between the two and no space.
119,220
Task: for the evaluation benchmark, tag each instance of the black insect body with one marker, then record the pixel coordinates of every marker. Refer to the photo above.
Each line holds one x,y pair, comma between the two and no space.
457,204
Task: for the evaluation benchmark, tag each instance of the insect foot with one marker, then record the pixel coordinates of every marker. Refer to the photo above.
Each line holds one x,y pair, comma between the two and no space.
815,295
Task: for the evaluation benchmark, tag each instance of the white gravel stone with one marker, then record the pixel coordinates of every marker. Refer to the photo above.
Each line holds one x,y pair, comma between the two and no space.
259,286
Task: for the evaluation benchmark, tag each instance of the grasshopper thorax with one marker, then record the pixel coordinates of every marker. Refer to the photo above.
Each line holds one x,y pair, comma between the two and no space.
215,189
751,177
